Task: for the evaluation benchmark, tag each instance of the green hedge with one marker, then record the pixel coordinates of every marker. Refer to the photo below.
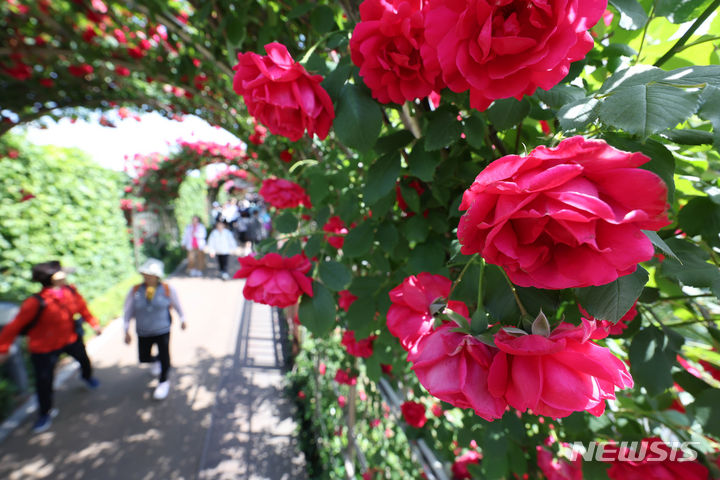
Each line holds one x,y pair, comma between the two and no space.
74,216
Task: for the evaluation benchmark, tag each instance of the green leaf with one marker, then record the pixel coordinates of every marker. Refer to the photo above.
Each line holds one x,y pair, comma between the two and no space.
690,383
694,270
313,245
612,301
475,130
323,19
359,240
701,216
443,130
577,115
334,275
415,229
652,355
411,197
286,222
387,236
660,243
235,28
647,109
422,163
335,80
317,313
360,316
680,11
705,411
394,141
632,14
689,136
382,177
358,118
710,110
427,257
508,112
560,95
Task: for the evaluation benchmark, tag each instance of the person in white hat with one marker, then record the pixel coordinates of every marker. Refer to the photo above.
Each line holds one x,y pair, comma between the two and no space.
149,303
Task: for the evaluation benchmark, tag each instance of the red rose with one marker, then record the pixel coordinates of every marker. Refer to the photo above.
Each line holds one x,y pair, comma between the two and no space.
459,467
454,367
80,70
122,71
346,299
282,95
336,226
414,414
613,328
358,348
507,48
345,377
275,280
386,46
281,193
409,317
570,216
437,410
556,375
656,462
286,156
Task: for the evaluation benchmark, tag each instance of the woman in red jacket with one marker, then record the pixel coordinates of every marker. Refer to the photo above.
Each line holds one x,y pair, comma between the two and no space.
48,319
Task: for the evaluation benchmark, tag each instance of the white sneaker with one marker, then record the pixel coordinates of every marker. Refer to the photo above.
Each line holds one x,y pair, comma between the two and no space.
155,369
225,275
162,390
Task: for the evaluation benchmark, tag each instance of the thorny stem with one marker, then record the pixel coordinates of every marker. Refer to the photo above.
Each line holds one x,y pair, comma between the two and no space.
480,284
645,29
523,311
686,36
462,272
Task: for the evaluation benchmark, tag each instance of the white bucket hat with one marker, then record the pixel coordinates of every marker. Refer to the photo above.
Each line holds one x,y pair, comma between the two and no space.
152,266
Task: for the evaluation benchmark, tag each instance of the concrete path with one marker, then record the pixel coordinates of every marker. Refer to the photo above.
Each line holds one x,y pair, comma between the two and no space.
226,416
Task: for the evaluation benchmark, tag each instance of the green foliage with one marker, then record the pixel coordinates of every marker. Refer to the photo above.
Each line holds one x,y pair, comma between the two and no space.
74,217
191,201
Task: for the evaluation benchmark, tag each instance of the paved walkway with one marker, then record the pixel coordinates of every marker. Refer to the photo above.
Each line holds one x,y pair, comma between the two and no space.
226,416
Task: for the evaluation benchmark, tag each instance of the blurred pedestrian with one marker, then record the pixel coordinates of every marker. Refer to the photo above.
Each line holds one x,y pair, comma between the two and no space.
222,243
48,318
149,303
194,242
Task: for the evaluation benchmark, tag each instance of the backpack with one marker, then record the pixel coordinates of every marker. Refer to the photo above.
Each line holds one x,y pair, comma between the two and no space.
41,306
165,286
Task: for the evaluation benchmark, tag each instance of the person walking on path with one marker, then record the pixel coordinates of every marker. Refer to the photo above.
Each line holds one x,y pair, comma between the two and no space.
222,243
149,304
194,242
48,320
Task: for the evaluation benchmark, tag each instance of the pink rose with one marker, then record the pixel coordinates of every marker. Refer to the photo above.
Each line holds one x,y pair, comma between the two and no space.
281,94
275,280
414,414
459,467
507,48
613,328
337,227
346,299
556,375
570,216
657,463
281,193
362,348
386,46
409,317
342,401
454,367
557,468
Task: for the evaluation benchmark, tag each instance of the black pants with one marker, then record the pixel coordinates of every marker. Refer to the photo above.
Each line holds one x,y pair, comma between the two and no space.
163,352
44,366
223,262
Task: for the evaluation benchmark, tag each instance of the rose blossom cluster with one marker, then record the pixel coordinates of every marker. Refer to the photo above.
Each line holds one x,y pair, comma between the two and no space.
281,193
551,373
407,49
